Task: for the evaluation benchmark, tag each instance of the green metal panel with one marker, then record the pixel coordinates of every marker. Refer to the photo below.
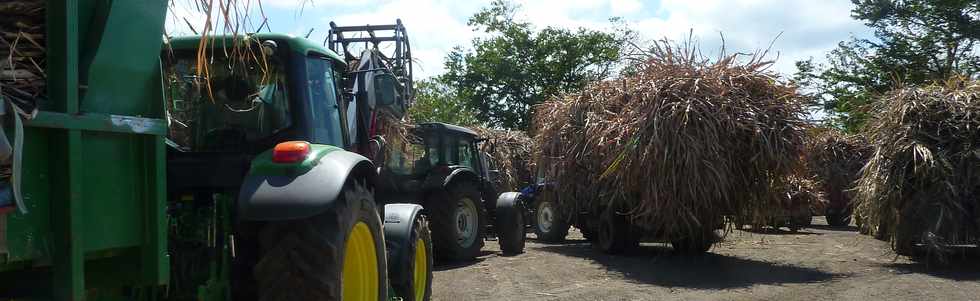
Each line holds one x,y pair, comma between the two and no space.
262,164
94,158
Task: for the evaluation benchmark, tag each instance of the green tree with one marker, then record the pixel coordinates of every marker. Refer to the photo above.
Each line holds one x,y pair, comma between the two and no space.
437,102
915,42
513,67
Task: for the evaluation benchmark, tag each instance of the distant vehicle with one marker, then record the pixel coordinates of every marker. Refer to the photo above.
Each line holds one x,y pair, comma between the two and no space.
445,172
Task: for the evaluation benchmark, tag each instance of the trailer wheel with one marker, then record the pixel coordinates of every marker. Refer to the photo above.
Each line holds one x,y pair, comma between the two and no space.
587,234
614,235
548,225
839,219
694,244
336,255
417,286
803,218
458,223
510,223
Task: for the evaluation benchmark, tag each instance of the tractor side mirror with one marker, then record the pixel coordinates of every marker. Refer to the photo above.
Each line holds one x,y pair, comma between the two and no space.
385,89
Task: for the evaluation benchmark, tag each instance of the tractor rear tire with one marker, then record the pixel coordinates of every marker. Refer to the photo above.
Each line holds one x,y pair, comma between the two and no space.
336,255
458,223
418,284
510,226
548,225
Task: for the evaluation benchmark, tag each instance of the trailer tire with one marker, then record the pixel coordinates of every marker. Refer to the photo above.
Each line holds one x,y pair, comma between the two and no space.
839,219
458,223
315,258
548,225
694,245
417,286
614,235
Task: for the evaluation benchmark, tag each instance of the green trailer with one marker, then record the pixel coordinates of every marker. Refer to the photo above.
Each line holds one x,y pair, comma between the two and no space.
93,164
104,213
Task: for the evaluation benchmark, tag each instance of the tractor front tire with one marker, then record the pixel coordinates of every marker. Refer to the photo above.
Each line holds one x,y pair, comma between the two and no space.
458,223
510,224
549,226
417,285
336,255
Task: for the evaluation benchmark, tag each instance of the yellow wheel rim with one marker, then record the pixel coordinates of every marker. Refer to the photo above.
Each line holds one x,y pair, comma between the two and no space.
421,268
360,274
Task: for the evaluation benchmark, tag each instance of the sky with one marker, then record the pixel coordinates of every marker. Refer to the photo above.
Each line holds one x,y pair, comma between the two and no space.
805,28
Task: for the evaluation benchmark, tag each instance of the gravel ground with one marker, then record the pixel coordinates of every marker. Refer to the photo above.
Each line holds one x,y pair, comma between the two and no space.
818,263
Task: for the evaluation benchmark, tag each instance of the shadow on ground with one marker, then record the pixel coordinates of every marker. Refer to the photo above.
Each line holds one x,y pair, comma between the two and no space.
655,264
965,267
771,231
567,241
443,265
848,228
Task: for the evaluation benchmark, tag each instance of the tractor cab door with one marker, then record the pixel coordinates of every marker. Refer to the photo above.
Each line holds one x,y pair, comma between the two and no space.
322,98
491,183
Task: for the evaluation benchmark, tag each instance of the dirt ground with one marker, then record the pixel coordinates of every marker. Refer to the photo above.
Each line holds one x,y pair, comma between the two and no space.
818,263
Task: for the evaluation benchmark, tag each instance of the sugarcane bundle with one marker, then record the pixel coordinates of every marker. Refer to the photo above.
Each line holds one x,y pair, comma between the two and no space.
22,52
835,159
678,144
512,155
921,184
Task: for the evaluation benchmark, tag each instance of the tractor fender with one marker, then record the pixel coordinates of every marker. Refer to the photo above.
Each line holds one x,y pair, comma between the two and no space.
460,174
399,225
272,197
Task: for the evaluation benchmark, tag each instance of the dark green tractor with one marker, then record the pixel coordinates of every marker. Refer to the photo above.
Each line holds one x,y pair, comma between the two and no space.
260,139
444,171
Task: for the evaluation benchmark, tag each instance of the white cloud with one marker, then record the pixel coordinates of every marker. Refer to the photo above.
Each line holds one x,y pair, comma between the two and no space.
625,7
809,28
804,28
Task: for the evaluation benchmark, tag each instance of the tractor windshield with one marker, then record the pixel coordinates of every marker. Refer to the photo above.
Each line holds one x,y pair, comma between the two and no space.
226,104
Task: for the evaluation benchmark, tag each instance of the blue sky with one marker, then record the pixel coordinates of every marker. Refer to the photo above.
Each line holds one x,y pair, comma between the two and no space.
808,28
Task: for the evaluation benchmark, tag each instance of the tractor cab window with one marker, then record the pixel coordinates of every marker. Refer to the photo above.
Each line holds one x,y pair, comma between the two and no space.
227,105
324,113
463,152
416,157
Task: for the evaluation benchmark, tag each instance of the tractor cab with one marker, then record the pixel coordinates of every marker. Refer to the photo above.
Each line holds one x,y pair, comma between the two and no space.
241,101
437,153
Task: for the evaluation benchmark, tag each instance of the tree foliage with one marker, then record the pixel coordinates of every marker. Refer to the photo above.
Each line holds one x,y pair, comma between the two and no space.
512,67
437,102
915,42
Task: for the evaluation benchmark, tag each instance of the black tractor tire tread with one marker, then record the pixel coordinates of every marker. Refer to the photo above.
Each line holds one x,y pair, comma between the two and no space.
510,230
303,259
405,288
443,225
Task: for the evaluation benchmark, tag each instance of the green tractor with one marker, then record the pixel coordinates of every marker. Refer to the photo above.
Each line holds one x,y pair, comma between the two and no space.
216,168
268,127
445,172
441,168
